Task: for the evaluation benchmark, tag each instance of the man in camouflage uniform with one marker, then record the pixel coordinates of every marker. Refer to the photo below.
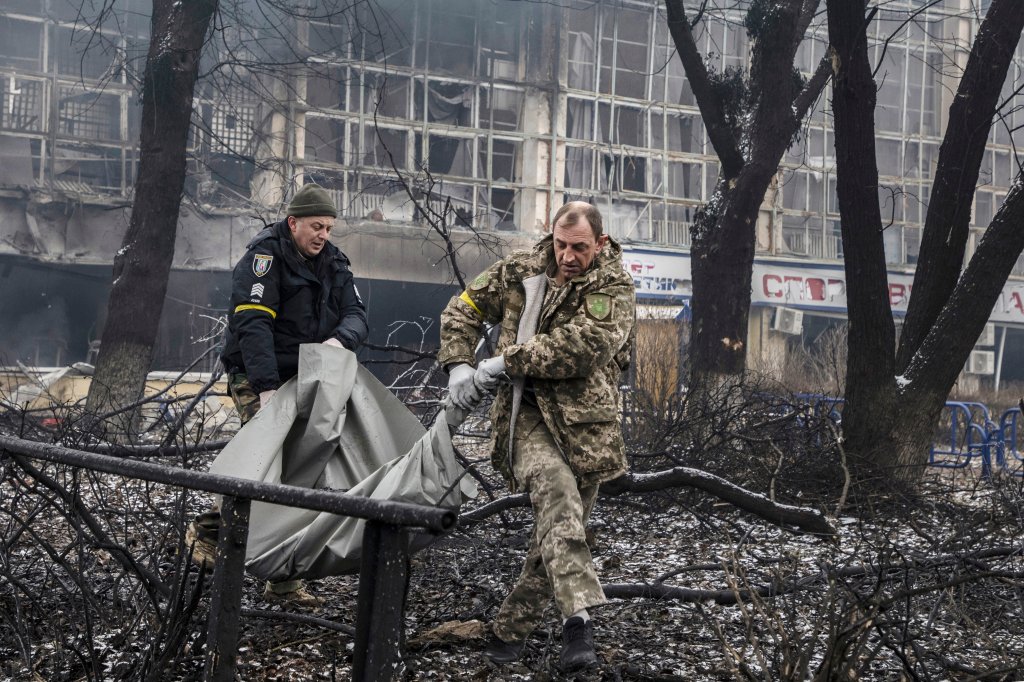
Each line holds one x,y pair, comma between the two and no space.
566,314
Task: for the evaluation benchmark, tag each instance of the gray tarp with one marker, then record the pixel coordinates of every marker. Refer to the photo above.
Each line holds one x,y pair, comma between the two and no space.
335,426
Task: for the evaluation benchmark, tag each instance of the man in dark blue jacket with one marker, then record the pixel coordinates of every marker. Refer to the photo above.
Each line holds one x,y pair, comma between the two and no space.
292,286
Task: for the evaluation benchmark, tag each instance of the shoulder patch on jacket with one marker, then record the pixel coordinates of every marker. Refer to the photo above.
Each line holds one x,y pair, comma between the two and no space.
481,282
261,263
598,306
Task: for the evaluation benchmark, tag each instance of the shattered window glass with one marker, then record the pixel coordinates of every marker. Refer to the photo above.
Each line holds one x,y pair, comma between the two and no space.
81,166
582,47
386,94
85,54
327,87
21,44
88,114
22,104
499,42
631,127
450,42
326,140
683,180
385,148
448,102
500,108
504,155
387,29
631,53
580,119
331,40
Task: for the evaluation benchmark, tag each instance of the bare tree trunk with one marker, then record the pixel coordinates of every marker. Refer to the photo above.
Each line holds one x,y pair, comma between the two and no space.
947,224
870,380
934,369
143,263
750,126
888,420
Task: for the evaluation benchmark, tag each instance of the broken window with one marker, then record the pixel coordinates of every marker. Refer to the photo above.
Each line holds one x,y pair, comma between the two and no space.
503,204
331,39
447,102
82,167
582,54
386,95
326,140
579,167
233,128
446,154
449,43
88,114
385,147
22,104
624,52
327,87
630,126
504,155
500,108
683,180
387,29
21,44
499,42
579,123
85,54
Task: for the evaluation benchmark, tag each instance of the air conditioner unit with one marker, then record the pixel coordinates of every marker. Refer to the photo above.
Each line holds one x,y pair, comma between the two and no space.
981,362
988,336
788,321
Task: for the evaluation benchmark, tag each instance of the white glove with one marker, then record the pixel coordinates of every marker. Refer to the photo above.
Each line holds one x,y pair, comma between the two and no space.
487,373
334,342
265,397
460,386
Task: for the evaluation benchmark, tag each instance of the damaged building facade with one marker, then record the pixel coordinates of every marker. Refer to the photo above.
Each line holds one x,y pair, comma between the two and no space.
486,115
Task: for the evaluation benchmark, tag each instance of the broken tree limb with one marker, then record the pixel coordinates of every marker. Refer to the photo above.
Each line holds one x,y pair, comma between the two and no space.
806,520
683,594
800,518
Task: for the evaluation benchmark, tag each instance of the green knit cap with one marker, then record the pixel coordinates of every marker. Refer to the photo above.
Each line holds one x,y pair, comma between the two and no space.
312,199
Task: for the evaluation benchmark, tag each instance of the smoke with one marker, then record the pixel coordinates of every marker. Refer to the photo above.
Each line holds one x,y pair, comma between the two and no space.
37,328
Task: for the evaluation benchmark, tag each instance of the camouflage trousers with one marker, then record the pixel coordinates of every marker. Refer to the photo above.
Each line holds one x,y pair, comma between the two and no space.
247,404
247,401
558,561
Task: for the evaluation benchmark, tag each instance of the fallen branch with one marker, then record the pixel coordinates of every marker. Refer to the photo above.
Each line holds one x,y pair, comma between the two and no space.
302,618
729,596
806,520
685,594
800,518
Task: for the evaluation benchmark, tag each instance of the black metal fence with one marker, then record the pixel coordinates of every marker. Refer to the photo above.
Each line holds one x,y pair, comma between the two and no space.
384,564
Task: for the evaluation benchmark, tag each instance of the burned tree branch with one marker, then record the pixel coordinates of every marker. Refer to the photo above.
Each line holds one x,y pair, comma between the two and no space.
806,520
712,109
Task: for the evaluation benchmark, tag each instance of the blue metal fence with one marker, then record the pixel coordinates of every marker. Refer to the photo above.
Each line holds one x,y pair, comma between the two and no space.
973,434
968,432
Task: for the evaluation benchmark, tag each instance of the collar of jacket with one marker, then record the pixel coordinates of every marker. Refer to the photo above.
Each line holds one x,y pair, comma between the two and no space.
543,252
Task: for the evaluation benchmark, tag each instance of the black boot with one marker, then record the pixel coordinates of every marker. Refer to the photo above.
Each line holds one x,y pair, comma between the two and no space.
500,651
577,644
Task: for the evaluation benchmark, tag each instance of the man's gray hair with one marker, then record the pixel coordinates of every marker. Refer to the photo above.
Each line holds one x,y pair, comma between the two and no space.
574,210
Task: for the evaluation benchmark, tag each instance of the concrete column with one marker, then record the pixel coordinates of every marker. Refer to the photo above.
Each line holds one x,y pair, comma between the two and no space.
543,114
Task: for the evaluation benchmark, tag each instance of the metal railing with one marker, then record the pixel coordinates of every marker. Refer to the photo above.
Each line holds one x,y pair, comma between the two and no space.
384,565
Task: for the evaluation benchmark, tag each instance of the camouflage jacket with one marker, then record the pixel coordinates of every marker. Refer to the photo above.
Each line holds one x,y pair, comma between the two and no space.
583,342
